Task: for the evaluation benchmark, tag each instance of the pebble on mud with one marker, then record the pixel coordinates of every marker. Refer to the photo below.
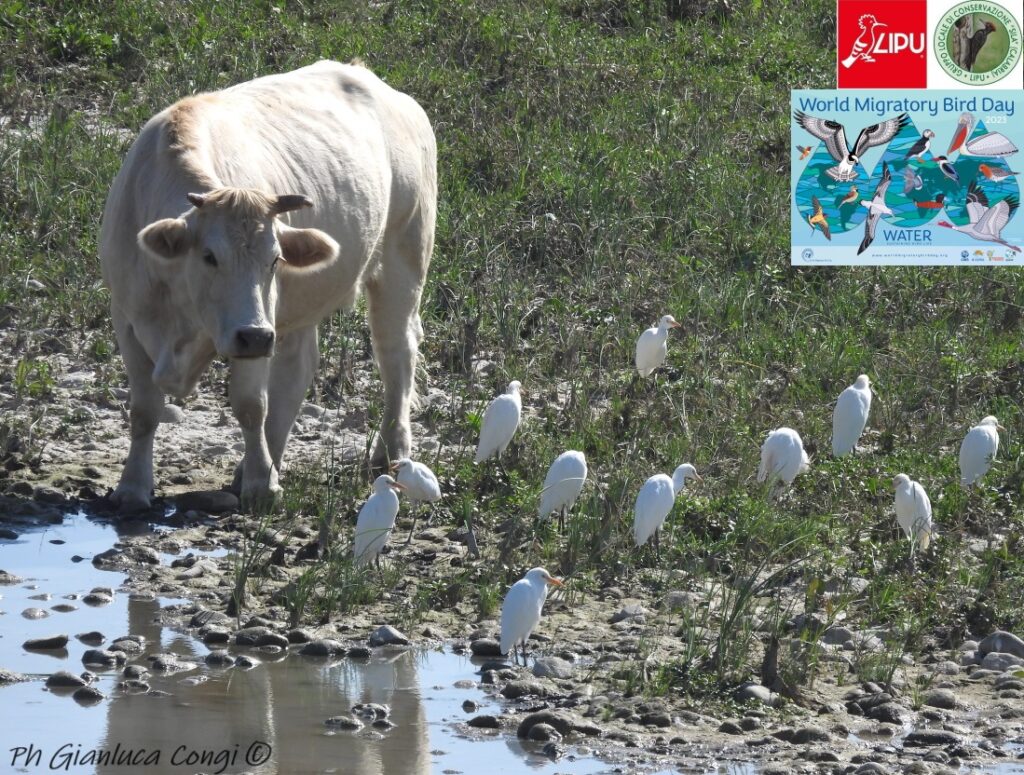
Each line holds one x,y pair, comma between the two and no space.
323,647
48,643
65,679
386,635
88,695
485,721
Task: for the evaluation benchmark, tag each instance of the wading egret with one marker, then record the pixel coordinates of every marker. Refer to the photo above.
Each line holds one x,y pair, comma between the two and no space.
978,450
850,416
652,346
654,503
913,511
782,456
563,485
501,419
520,612
420,484
376,520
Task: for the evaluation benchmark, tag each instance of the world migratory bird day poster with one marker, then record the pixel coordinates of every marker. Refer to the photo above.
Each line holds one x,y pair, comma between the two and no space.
906,177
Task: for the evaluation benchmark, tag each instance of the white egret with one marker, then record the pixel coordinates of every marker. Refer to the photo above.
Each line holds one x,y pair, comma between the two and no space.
850,416
563,485
782,456
654,503
420,484
520,612
652,346
913,511
376,520
501,419
978,450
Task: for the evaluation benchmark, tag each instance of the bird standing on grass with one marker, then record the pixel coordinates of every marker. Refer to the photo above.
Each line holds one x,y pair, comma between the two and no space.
850,416
654,503
782,456
521,609
501,419
913,512
652,346
978,450
563,485
420,485
376,521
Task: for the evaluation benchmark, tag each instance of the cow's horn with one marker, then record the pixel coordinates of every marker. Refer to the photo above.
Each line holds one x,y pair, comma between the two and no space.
196,199
288,202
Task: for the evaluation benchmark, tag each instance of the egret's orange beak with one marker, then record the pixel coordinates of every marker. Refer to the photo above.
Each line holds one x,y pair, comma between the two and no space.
393,467
397,486
698,477
676,324
1001,428
554,581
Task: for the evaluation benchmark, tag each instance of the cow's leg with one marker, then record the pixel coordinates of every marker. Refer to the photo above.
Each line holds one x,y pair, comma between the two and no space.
248,391
147,404
393,294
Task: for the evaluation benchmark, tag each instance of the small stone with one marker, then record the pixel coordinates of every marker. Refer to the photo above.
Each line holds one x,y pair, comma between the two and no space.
10,677
730,728
485,721
628,612
102,658
485,647
469,706
552,667
260,636
886,712
7,534
63,608
809,734
300,635
219,659
65,680
244,662
205,616
7,579
215,635
97,599
946,667
210,501
756,692
129,646
561,722
1002,642
135,671
88,695
927,738
658,719
371,710
387,635
170,663
515,689
1000,661
940,698
35,613
543,733
49,643
359,652
323,647
344,722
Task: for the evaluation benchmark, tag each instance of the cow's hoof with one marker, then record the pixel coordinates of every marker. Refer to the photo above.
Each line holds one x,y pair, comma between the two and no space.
130,499
263,500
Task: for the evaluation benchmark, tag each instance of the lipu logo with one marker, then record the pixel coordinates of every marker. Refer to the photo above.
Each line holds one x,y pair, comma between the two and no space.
881,44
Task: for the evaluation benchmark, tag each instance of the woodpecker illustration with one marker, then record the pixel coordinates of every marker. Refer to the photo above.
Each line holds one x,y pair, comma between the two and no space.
947,169
834,136
922,145
865,43
975,43
818,219
995,174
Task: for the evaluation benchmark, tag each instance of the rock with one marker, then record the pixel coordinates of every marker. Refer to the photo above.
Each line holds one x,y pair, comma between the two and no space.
630,611
886,712
926,738
215,635
35,613
552,667
837,636
65,679
210,501
49,643
485,647
170,663
7,534
97,599
135,686
809,734
93,638
386,635
135,671
730,728
371,710
968,658
515,689
204,616
996,660
469,706
260,636
300,635
7,579
485,721
750,723
88,695
171,414
656,719
946,667
543,733
63,608
129,646
344,722
10,677
102,658
323,647
756,692
563,723
50,495
1002,642
244,662
940,698
219,659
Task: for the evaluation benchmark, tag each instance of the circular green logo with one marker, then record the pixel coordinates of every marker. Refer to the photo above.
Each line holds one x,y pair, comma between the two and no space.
977,42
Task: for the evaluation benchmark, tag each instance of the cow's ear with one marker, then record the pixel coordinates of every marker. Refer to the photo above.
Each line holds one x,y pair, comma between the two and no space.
167,238
301,248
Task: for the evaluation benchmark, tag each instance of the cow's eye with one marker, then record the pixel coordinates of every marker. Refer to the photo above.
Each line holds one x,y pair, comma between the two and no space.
209,258
273,264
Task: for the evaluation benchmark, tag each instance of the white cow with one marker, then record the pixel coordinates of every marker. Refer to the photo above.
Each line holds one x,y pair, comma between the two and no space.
239,220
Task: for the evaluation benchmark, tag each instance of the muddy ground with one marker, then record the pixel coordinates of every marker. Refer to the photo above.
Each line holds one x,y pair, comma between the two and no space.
944,712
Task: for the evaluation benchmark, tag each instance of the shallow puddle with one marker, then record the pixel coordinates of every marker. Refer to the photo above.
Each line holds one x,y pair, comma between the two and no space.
264,720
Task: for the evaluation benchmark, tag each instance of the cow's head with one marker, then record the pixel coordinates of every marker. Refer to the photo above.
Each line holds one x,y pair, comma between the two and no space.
229,248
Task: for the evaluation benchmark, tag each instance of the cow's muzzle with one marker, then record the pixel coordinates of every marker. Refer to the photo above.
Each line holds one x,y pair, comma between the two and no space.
253,342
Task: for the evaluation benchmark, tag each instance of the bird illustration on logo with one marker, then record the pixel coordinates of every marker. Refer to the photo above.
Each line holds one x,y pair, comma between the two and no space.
865,42
834,136
975,43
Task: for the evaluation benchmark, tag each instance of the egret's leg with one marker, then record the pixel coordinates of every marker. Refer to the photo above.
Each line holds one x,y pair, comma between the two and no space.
561,520
415,515
657,545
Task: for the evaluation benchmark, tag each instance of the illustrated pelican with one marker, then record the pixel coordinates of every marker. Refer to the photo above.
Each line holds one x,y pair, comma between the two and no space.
986,222
819,219
834,136
876,207
988,144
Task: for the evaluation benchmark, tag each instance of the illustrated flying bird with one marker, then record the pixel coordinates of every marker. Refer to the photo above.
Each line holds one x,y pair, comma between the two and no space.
911,180
833,135
995,174
975,43
935,204
988,144
986,222
805,151
875,209
865,42
947,169
922,145
818,219
851,197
